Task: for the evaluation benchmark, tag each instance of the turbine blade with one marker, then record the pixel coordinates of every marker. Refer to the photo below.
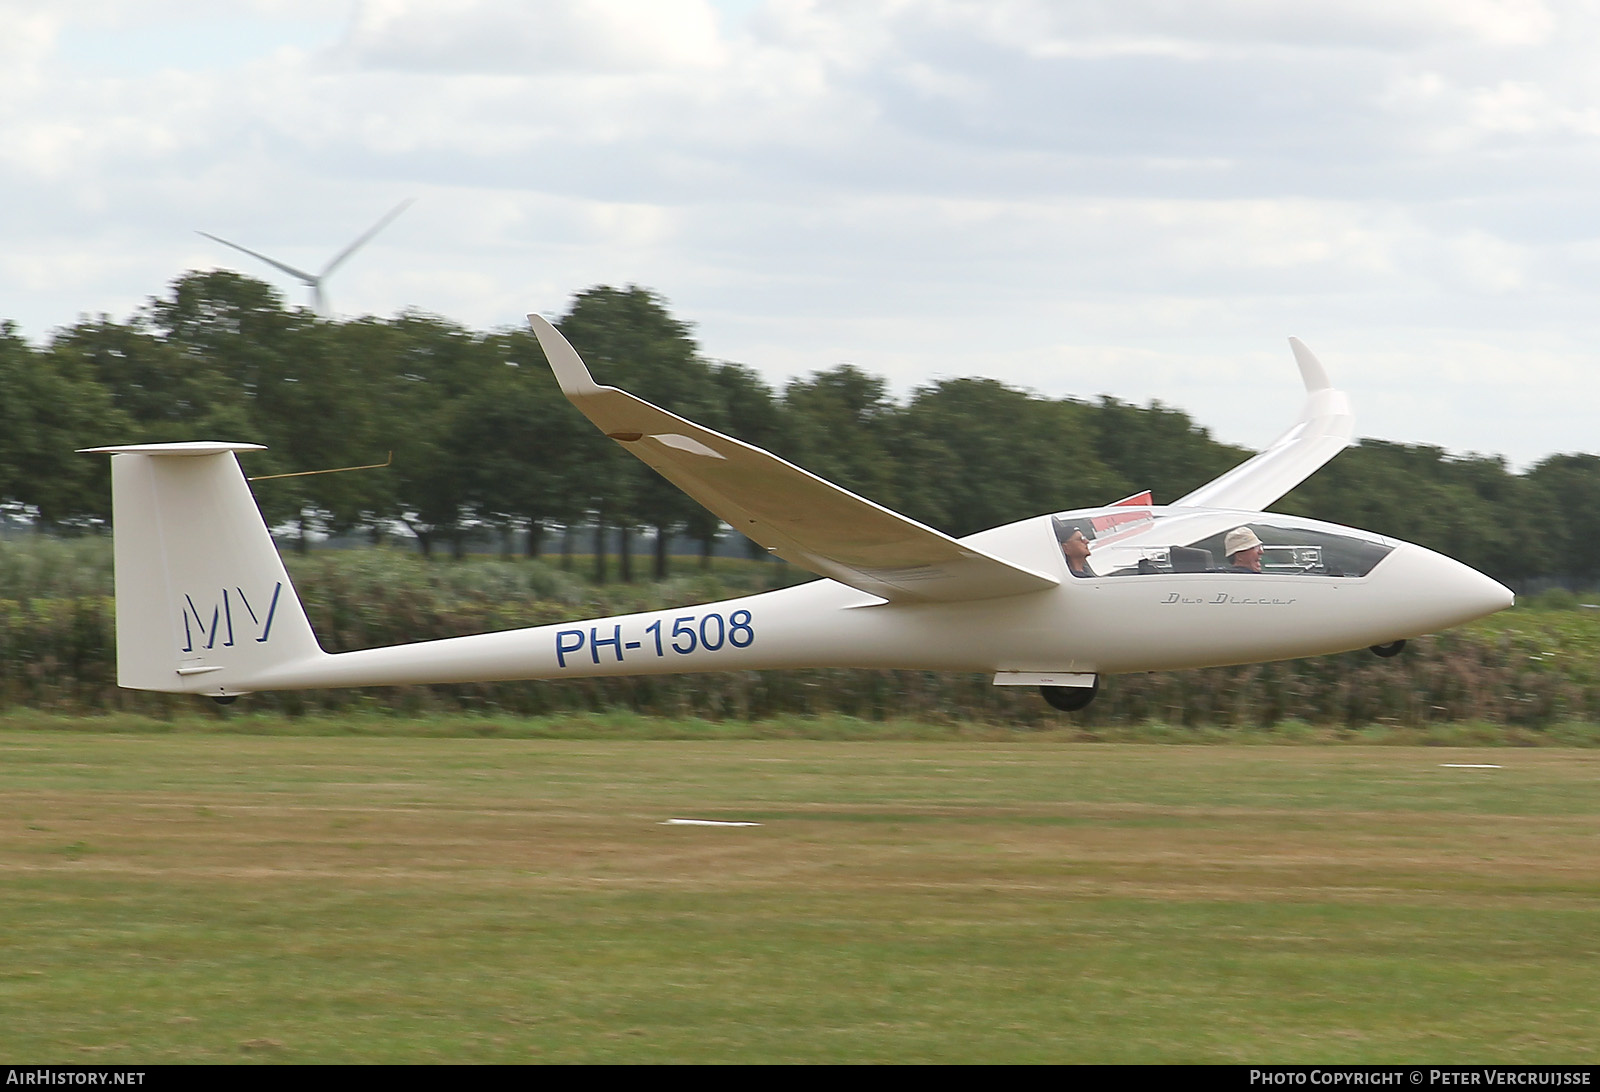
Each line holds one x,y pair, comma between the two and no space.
366,237
300,274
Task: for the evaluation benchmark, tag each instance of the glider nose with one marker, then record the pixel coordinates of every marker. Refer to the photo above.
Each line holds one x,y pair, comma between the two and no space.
1478,594
1435,592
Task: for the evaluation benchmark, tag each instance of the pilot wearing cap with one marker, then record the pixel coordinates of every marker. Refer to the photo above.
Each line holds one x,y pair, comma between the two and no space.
1243,549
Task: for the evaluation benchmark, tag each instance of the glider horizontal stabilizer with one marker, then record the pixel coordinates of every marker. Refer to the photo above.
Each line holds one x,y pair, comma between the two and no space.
1322,430
793,513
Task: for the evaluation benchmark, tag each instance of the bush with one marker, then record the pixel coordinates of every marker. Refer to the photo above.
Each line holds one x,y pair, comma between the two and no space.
1532,668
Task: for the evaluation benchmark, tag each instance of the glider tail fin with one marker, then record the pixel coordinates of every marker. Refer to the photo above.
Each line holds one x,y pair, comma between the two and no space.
204,604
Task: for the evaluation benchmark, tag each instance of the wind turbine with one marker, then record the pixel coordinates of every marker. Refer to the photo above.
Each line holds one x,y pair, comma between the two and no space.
314,281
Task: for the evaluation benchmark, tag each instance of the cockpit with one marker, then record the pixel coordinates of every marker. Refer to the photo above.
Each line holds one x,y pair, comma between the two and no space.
1145,541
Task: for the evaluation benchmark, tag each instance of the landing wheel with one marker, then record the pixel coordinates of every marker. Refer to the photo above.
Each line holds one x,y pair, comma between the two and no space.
1070,699
225,699
1393,648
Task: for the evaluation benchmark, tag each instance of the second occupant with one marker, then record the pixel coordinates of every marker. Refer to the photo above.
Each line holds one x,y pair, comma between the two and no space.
1243,549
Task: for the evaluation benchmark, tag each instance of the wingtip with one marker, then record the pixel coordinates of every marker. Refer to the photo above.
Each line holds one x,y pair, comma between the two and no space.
568,366
1312,373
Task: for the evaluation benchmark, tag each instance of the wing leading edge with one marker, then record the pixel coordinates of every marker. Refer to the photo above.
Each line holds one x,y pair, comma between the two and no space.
793,513
1322,430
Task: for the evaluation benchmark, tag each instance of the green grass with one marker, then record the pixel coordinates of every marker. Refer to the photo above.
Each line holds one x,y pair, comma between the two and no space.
175,895
196,716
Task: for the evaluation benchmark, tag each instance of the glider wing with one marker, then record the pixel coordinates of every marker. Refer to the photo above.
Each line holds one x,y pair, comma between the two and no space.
793,513
1322,430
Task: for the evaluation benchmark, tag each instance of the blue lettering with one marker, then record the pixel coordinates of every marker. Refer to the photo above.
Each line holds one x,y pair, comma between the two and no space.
221,624
562,649
595,641
272,611
740,632
194,610
705,638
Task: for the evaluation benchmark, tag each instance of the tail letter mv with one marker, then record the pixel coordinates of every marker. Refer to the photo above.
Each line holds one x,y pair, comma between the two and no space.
200,632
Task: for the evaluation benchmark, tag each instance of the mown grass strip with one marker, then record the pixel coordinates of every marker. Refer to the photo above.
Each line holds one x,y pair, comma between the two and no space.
183,896
199,718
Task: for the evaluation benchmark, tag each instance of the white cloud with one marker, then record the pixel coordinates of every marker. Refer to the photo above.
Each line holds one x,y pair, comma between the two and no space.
30,35
530,38
1139,197
1184,27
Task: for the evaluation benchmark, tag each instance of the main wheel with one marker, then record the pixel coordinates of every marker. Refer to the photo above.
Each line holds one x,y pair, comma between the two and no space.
1070,699
1393,648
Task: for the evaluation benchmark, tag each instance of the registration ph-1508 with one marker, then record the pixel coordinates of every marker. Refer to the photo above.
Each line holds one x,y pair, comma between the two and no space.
709,632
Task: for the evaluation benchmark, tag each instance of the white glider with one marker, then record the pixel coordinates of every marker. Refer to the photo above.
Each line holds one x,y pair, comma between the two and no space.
205,606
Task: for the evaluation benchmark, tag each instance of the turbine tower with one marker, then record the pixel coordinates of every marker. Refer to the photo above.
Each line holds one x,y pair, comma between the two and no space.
315,281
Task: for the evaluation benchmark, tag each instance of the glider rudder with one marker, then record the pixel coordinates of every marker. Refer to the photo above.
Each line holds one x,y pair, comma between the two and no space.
204,604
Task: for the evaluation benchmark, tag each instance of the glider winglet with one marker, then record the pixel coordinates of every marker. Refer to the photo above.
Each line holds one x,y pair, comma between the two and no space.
571,372
1322,430
796,515
1312,373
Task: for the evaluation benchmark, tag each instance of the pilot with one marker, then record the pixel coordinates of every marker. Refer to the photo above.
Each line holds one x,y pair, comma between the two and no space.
1243,549
1075,548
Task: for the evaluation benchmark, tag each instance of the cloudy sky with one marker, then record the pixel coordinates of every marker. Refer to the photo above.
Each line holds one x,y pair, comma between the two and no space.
1140,198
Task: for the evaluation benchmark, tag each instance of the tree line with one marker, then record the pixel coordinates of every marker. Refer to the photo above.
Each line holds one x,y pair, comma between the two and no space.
483,440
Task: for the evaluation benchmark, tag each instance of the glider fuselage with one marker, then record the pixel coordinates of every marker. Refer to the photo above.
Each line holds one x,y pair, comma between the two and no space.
1121,620
205,605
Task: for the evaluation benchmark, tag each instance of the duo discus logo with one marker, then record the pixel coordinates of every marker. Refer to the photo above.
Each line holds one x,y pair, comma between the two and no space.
201,632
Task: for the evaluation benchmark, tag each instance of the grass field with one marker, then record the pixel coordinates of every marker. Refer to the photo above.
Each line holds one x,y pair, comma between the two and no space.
216,897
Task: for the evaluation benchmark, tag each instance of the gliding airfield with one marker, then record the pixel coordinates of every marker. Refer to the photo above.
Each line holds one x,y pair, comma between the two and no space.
355,892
